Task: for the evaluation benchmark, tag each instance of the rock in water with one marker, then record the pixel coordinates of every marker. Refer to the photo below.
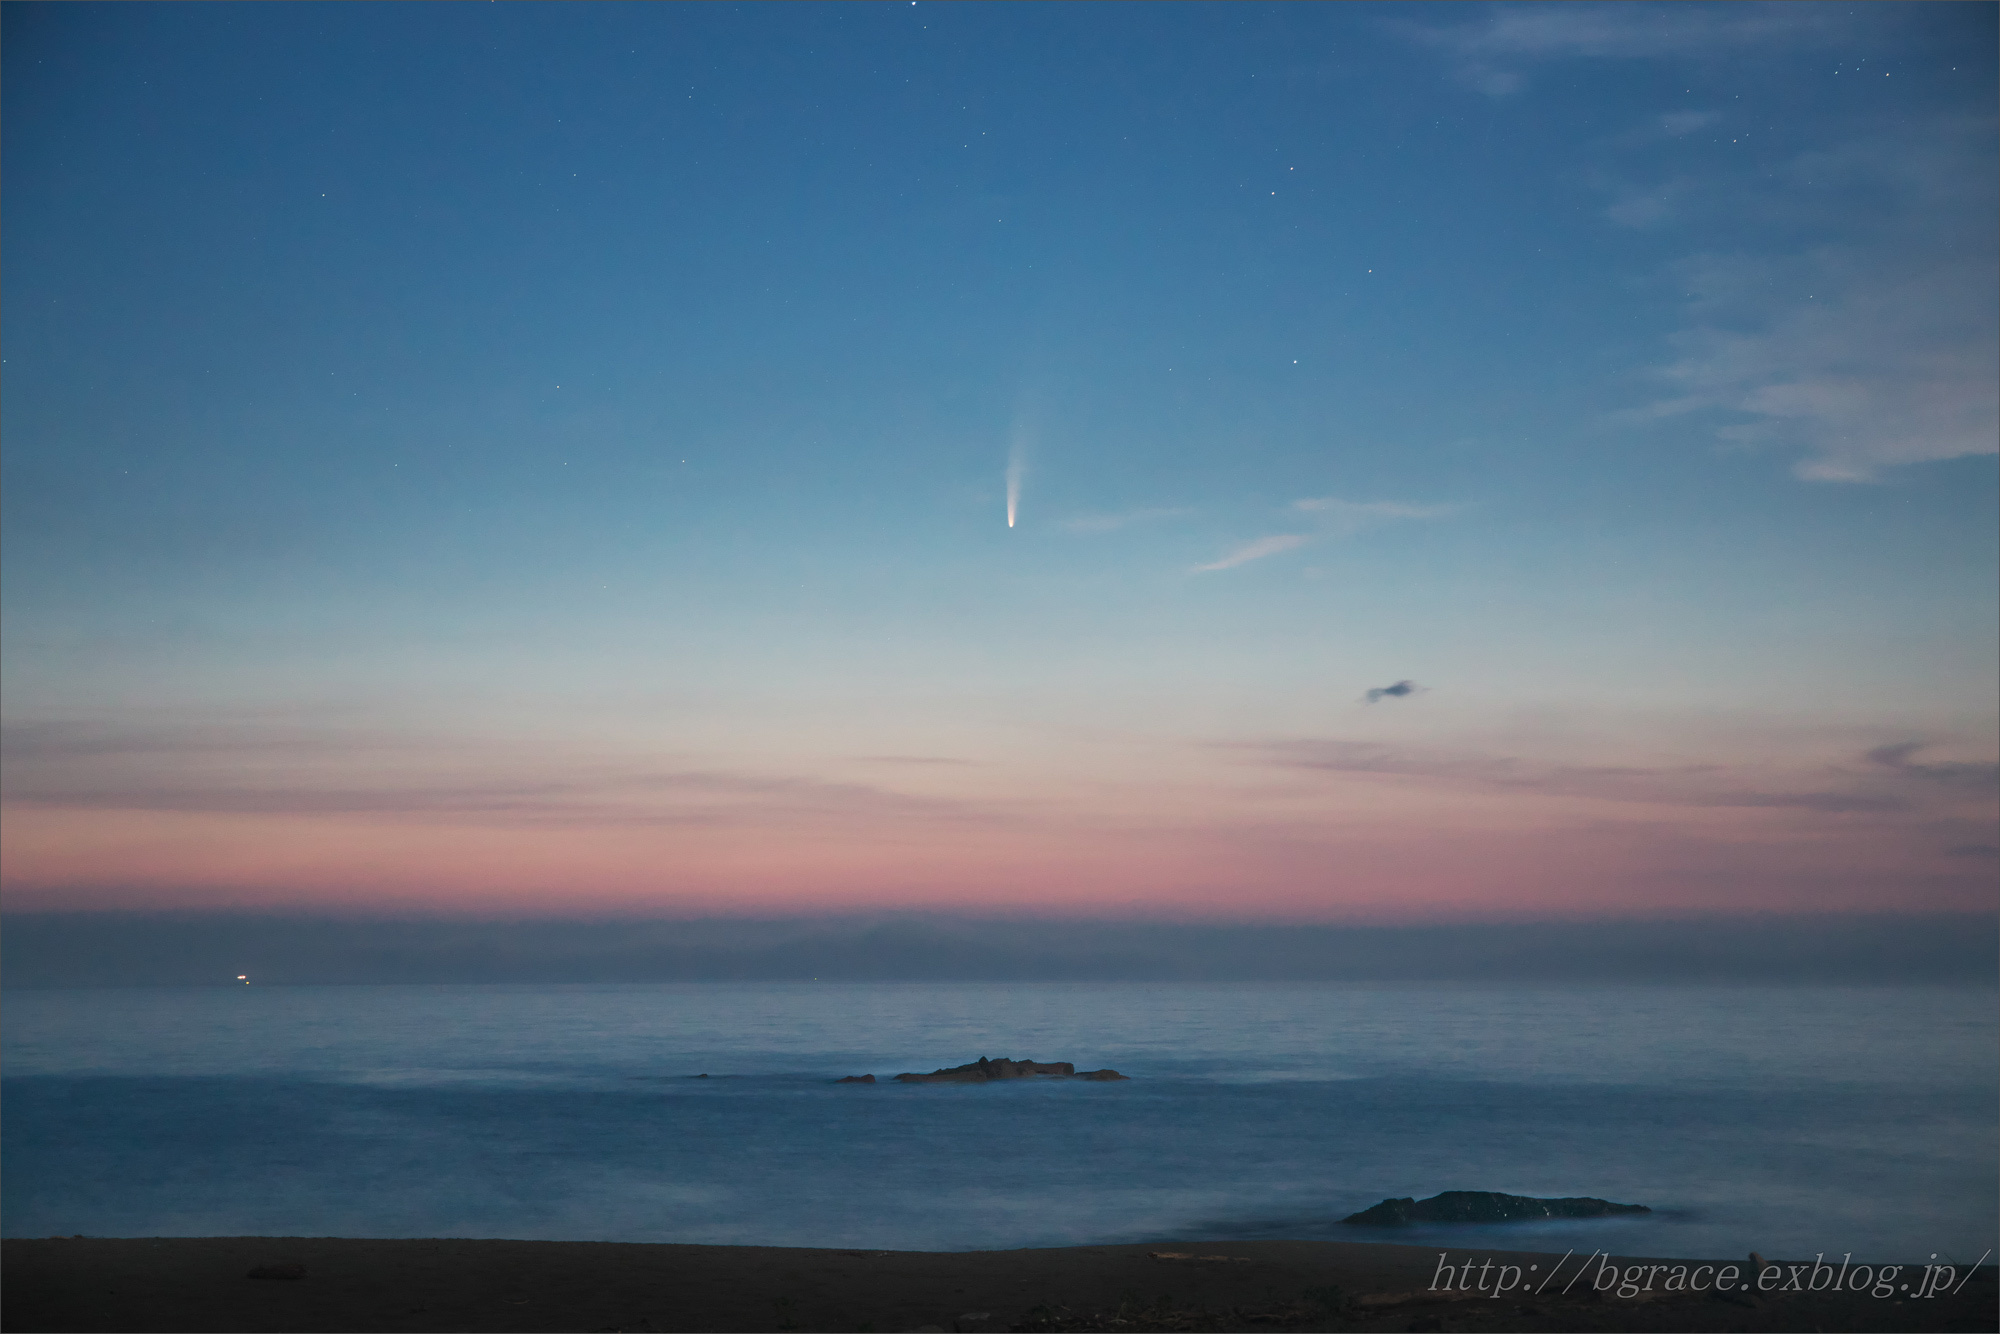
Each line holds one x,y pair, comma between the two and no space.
984,1071
855,1079
1486,1206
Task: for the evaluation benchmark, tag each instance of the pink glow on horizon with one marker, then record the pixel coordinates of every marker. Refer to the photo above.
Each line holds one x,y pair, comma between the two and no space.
1552,858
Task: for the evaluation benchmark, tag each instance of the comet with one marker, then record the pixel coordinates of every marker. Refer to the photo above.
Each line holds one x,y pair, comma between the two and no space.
1015,462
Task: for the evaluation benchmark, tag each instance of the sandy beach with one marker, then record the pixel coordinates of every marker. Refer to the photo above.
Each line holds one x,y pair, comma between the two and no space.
139,1284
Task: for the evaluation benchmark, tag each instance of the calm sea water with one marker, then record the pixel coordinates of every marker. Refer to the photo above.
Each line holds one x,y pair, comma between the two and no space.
1789,1121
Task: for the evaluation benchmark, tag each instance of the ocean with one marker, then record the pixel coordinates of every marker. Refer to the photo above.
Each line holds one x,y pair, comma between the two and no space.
1792,1121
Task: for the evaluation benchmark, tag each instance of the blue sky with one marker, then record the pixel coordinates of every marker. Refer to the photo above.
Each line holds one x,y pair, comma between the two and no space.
583,431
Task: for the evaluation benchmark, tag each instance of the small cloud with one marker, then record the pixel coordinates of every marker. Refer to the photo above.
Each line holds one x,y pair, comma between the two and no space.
1396,691
1257,550
1647,205
1346,517
1985,850
1899,759
1109,523
1386,509
1678,123
1493,82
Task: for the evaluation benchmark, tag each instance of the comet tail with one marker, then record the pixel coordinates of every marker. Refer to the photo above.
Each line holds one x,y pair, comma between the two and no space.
1013,481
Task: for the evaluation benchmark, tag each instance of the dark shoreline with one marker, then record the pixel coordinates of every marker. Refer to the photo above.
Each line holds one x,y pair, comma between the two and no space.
201,1284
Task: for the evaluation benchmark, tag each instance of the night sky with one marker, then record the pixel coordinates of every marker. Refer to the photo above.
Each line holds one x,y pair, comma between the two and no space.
1467,463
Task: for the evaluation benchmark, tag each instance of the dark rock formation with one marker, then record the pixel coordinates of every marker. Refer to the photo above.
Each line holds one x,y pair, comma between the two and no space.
984,1071
1485,1206
856,1079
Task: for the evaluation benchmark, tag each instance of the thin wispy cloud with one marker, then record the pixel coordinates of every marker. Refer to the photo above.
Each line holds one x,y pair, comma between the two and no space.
1888,781
1494,52
1345,517
241,770
1333,517
1257,550
59,741
914,759
1111,523
1650,204
1677,123
1901,759
707,799
1872,370
1862,356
